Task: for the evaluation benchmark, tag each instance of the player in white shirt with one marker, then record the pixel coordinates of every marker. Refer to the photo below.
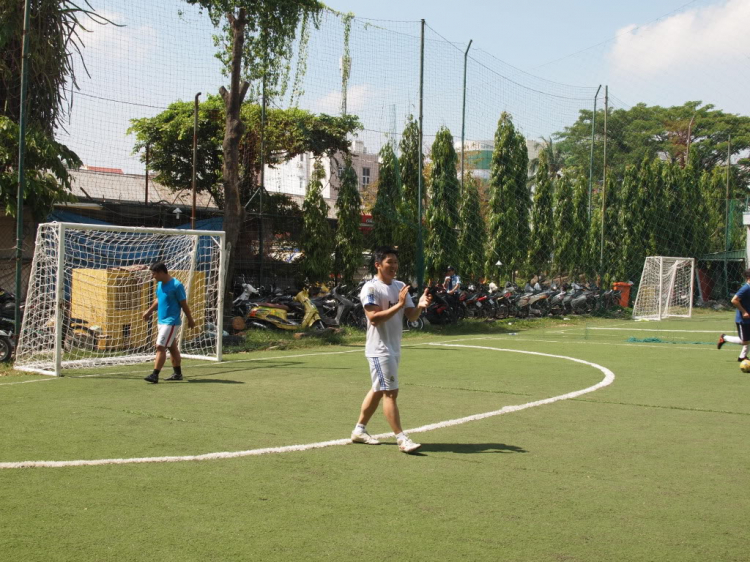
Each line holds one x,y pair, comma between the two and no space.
386,301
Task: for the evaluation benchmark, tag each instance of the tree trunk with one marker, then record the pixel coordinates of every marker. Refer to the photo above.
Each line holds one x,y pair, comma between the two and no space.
233,209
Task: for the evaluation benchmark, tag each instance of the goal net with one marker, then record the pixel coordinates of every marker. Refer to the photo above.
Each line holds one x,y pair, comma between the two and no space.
90,285
666,288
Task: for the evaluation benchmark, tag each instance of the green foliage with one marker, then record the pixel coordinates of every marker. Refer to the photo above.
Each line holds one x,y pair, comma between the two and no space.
441,247
385,212
349,243
632,225
408,210
289,133
269,30
564,217
541,241
47,163
472,239
317,240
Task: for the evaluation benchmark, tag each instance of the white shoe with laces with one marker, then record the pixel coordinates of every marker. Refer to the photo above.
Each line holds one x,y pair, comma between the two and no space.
406,445
365,438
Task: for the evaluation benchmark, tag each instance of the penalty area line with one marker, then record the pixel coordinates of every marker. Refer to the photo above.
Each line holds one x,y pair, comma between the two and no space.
608,379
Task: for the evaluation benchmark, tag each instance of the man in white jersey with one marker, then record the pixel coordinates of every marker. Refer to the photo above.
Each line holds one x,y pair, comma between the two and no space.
386,301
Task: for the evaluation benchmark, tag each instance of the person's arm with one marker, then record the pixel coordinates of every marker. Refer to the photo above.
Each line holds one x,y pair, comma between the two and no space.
376,315
413,312
186,309
737,302
150,310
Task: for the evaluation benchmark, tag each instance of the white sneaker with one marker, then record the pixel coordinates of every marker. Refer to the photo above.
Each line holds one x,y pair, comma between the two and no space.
365,438
406,445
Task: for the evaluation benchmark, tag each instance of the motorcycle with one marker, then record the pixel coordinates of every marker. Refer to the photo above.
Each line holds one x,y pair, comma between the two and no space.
265,316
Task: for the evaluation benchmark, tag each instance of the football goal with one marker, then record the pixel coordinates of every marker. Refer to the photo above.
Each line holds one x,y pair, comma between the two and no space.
90,285
666,288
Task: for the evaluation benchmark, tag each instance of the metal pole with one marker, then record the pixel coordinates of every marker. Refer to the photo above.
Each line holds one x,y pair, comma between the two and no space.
147,155
195,155
262,177
591,162
21,168
420,243
604,180
726,218
463,116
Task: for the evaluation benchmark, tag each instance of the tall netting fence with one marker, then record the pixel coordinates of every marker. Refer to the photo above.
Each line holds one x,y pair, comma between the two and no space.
523,179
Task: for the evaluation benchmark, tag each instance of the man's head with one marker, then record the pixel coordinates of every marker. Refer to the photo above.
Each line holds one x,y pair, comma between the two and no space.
386,262
159,271
451,270
747,274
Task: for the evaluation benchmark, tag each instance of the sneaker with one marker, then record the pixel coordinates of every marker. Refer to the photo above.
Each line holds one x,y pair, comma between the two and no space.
406,445
152,378
175,377
365,438
741,359
722,341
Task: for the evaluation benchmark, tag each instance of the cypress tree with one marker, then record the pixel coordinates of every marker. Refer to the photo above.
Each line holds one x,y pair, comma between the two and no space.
580,226
409,167
441,248
540,243
317,239
564,244
385,212
349,242
503,245
472,238
523,201
632,226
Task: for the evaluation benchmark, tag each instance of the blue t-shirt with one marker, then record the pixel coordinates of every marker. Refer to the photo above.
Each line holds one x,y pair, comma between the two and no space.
169,295
744,295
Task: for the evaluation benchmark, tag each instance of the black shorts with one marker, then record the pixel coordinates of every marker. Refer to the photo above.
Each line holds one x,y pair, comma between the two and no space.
743,331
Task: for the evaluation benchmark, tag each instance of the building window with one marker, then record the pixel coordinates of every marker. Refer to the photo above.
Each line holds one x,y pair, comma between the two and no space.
365,177
341,171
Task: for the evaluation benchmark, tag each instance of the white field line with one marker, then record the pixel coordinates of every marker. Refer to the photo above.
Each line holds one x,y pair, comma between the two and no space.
609,377
664,331
692,347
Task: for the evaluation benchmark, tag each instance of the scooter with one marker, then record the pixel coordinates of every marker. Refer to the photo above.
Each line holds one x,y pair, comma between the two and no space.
265,316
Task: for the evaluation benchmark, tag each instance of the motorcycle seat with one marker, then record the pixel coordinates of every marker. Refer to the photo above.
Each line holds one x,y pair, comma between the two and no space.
274,305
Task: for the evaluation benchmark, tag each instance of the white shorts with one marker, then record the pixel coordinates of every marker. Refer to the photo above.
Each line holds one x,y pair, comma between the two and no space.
167,335
384,372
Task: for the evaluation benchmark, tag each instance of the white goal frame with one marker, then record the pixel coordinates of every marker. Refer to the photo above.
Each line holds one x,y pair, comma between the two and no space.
49,357
657,298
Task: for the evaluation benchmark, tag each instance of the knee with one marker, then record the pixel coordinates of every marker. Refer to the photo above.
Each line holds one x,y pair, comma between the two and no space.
161,348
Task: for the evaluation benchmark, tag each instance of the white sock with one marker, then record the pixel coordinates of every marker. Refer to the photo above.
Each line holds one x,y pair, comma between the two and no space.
732,339
359,428
743,353
400,436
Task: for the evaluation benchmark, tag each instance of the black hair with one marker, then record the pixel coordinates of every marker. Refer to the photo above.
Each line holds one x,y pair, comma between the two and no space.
747,274
380,253
159,267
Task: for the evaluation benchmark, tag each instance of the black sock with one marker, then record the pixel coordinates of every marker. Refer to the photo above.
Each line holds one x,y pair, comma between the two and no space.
156,372
177,370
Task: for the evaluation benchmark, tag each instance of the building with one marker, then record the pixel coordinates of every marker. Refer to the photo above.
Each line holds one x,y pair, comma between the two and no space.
478,155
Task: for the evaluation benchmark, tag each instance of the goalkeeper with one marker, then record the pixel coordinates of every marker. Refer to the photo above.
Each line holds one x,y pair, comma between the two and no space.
170,301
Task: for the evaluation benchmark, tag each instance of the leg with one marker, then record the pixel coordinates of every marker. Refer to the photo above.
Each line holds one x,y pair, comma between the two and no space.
174,355
161,357
390,409
369,405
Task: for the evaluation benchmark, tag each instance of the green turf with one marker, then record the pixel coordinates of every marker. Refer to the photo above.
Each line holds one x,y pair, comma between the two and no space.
652,467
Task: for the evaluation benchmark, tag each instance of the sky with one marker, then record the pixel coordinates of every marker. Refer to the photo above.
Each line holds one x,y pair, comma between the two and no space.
541,61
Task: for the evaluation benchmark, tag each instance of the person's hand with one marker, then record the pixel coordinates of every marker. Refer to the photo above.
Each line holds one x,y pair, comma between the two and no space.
426,299
403,293
191,323
746,314
146,315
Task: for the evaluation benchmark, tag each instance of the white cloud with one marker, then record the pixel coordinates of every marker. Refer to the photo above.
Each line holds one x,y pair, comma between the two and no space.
683,42
358,98
130,42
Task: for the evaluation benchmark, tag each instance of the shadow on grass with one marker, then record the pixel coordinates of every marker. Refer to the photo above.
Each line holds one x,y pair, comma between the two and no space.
470,448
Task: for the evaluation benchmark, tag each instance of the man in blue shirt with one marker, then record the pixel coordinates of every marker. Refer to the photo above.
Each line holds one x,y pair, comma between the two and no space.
170,302
741,301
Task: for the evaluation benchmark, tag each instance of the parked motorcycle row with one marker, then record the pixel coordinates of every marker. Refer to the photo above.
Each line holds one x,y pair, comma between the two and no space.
319,309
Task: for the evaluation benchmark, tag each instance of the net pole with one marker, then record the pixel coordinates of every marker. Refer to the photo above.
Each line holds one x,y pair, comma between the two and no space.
195,156
463,116
692,286
661,283
21,166
189,288
420,242
223,261
591,160
59,297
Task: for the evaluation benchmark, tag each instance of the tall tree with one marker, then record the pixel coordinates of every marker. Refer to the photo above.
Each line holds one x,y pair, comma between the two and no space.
580,225
441,248
522,198
503,215
256,41
564,242
408,212
349,243
632,226
540,248
317,240
385,212
472,238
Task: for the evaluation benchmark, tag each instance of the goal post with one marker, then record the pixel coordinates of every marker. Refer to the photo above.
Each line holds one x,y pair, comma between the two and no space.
90,285
666,288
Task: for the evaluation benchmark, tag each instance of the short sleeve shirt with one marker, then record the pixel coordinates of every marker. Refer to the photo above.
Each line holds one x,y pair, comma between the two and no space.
169,295
744,295
453,280
384,340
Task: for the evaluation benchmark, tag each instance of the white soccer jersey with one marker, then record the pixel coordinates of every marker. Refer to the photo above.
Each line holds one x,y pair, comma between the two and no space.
384,339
